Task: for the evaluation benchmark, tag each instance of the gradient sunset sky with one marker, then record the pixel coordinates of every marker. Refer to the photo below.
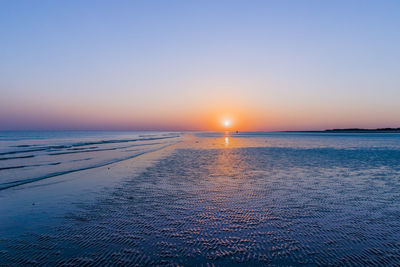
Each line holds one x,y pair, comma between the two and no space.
189,65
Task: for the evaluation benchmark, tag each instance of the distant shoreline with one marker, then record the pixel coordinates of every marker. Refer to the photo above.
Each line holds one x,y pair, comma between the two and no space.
353,130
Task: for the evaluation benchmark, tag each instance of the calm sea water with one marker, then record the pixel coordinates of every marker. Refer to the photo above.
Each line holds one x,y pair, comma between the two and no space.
218,198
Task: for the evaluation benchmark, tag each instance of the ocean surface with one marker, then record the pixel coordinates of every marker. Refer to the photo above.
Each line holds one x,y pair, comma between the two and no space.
160,198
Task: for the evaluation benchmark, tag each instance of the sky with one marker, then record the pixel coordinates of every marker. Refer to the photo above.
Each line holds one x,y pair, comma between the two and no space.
191,65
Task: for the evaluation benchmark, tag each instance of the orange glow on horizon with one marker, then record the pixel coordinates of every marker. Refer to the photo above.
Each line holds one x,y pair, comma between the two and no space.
227,118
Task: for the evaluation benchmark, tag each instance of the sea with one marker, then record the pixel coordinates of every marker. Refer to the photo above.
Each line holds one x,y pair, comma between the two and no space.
99,198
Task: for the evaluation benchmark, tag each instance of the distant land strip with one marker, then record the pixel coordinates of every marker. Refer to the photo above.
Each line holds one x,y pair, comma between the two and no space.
354,130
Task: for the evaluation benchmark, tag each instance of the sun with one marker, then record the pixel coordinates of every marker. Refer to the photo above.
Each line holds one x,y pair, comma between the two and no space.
227,123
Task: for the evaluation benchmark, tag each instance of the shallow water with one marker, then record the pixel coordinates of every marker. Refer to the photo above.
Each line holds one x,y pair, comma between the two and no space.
26,157
223,199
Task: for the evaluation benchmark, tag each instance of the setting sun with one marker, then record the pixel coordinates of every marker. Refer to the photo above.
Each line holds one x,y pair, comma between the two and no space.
227,123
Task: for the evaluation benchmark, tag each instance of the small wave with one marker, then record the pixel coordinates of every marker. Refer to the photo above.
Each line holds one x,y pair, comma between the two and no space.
25,166
12,167
22,157
22,151
24,145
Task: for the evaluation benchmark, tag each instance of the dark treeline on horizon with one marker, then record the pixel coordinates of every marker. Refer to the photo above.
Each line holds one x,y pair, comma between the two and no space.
354,130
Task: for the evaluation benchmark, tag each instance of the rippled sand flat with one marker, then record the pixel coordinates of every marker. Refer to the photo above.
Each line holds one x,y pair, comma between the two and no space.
235,199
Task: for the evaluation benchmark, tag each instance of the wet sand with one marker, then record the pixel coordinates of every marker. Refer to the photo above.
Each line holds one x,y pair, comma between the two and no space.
222,200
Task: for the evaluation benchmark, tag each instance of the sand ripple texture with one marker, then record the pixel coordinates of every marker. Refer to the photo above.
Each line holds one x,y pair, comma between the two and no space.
241,206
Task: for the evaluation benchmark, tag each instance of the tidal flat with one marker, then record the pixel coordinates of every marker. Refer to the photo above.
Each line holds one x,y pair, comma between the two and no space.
206,198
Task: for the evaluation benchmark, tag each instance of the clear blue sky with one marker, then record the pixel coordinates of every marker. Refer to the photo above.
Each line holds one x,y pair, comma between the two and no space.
276,65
